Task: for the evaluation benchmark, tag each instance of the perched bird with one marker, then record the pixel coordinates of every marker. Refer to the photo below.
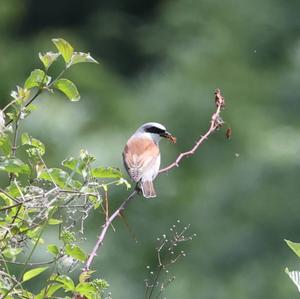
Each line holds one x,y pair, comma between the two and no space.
141,155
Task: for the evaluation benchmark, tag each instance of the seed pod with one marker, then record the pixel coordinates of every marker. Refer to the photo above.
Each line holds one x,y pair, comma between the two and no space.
228,133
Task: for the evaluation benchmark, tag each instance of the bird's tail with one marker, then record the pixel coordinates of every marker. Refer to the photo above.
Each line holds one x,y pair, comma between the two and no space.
148,189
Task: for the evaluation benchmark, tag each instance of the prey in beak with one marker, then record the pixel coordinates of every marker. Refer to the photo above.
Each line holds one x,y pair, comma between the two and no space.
168,136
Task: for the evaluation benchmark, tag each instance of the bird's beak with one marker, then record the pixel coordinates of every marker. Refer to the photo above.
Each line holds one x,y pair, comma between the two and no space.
169,136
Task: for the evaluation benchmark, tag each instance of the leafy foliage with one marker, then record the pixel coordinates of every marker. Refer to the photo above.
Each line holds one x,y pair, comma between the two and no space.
37,197
13,165
48,58
33,273
106,173
37,78
68,88
64,48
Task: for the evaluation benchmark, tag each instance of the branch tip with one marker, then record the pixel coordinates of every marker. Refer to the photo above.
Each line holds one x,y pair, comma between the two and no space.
219,99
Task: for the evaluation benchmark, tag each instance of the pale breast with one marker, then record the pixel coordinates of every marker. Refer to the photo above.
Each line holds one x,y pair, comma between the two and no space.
140,155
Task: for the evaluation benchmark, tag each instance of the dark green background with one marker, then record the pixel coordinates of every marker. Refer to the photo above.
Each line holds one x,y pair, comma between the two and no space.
161,61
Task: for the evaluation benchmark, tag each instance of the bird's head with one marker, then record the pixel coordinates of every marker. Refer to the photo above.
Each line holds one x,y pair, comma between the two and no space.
156,131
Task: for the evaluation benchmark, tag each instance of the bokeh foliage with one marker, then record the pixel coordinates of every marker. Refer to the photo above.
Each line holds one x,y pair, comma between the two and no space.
161,62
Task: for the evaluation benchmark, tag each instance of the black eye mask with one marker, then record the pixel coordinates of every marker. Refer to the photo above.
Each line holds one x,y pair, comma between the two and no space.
155,130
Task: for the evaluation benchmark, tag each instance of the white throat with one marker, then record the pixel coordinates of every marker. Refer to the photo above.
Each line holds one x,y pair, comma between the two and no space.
155,137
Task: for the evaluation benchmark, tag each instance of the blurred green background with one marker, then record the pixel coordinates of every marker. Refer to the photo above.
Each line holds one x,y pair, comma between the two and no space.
161,61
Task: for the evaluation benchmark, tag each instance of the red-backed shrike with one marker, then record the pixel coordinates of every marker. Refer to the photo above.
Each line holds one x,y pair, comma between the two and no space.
141,155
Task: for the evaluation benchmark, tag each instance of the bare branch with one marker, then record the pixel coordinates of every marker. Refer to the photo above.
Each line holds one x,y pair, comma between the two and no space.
215,123
105,228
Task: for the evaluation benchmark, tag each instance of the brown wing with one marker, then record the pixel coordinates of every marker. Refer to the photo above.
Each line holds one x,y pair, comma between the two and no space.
139,154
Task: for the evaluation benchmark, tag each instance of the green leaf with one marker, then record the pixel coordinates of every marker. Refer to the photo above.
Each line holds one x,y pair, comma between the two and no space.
86,289
49,291
37,78
11,252
53,289
5,144
59,177
55,175
54,221
34,233
52,248
294,246
79,57
95,200
106,173
81,164
75,252
67,282
14,190
48,58
33,273
8,202
25,294
68,88
74,164
84,276
64,48
28,140
86,157
13,165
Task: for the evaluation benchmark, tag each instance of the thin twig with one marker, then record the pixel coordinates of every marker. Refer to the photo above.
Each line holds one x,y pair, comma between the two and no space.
14,145
9,196
29,256
105,228
13,221
155,281
9,104
32,264
10,277
5,208
215,123
106,204
39,91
